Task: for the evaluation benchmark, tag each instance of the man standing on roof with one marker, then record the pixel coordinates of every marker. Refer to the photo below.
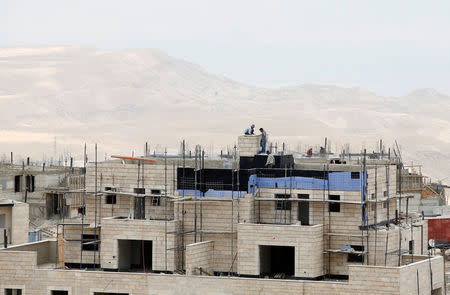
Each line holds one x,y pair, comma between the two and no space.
263,141
250,130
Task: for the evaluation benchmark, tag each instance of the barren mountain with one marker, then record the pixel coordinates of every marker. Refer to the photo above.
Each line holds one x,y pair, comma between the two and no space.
121,99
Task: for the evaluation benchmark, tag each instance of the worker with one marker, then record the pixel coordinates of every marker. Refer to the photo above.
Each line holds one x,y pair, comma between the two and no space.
322,151
263,141
250,130
270,160
309,152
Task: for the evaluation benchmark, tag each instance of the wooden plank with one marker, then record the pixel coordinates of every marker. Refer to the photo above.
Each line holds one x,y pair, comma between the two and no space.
134,158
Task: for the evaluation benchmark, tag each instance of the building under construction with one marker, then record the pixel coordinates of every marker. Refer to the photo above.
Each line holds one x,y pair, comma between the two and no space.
239,223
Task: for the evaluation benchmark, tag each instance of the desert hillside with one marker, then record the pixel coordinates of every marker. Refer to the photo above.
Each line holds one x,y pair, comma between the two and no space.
121,99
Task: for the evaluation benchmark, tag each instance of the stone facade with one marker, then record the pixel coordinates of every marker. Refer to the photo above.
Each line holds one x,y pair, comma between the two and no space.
199,258
15,220
19,269
249,145
307,241
114,230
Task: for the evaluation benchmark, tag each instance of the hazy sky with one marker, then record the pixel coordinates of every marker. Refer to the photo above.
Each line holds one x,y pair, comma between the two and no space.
390,47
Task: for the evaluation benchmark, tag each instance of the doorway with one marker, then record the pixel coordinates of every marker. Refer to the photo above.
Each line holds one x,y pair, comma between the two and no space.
135,255
277,261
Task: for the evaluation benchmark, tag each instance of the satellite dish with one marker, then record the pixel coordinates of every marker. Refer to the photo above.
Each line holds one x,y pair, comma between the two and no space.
431,243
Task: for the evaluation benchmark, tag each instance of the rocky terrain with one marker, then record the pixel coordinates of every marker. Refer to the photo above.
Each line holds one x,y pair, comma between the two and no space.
122,99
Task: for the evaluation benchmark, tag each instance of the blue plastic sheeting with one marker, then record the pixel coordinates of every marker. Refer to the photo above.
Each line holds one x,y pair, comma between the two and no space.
341,181
34,236
190,193
226,194
212,193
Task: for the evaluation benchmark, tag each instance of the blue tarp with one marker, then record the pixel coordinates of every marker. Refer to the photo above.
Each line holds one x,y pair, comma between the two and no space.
212,193
34,236
341,181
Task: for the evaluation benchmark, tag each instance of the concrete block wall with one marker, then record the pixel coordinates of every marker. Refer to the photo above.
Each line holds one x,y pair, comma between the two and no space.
20,223
442,210
377,278
125,176
386,241
386,179
16,223
125,207
307,241
35,200
43,179
409,273
214,218
246,209
347,220
7,212
413,278
216,215
199,255
427,205
72,248
150,230
45,250
18,269
381,211
249,145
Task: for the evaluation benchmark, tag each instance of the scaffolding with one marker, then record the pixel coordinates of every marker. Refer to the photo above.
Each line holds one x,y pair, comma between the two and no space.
281,214
363,203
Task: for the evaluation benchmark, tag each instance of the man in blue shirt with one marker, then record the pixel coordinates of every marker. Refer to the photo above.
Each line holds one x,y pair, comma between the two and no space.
263,141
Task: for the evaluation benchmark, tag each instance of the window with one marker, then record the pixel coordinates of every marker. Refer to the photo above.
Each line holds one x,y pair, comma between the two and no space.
82,211
411,247
138,190
282,205
355,175
111,199
13,291
156,201
17,183
59,292
90,242
155,191
29,183
385,194
356,257
334,207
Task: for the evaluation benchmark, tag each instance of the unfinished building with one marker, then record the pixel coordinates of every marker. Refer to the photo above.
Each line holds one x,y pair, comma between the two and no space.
14,223
240,224
40,187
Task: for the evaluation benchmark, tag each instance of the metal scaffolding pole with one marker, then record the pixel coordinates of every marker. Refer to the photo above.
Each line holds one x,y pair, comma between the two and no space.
95,207
83,212
375,215
165,208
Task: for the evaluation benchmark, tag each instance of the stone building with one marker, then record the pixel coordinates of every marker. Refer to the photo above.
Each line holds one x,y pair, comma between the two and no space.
232,225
